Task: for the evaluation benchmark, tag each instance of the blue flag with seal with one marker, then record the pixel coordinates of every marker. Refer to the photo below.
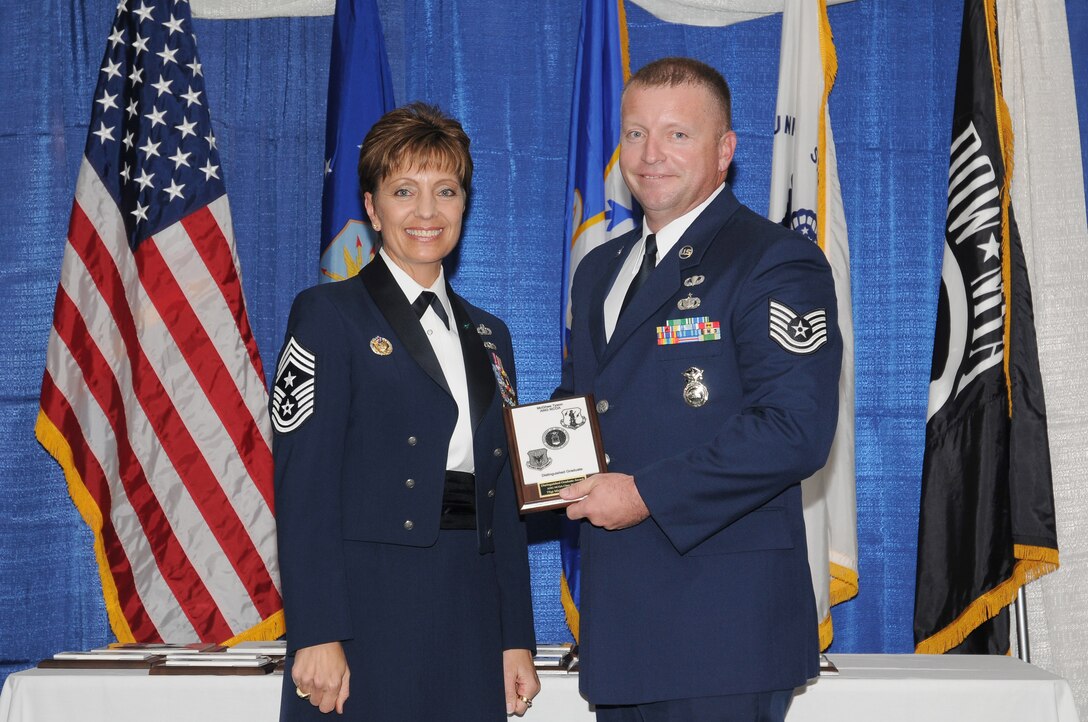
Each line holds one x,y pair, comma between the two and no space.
599,205
360,92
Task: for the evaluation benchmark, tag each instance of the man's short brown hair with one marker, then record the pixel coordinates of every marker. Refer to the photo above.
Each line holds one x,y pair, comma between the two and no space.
669,72
418,136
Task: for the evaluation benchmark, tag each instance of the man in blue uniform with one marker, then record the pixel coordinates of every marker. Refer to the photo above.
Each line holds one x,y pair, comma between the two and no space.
710,342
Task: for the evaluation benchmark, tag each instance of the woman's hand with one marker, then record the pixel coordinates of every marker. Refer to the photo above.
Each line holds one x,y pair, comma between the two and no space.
520,680
321,671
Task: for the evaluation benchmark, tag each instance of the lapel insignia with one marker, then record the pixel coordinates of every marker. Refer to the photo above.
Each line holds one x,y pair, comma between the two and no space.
490,346
293,391
693,280
799,334
509,395
695,391
688,304
685,252
483,330
381,346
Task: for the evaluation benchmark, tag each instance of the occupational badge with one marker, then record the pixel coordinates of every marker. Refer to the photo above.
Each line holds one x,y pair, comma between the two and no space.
797,333
686,252
556,438
694,280
689,304
695,391
483,330
490,346
381,346
538,459
293,391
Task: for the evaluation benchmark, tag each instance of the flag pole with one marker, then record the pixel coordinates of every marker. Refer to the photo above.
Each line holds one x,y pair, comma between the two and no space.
1023,644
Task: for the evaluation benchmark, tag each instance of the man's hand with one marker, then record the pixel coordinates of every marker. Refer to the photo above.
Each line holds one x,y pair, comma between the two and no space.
321,671
520,680
611,501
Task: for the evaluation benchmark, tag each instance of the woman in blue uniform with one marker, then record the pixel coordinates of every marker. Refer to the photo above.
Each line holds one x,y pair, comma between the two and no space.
402,556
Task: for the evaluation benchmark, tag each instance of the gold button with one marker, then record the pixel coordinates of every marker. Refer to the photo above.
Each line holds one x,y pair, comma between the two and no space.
602,406
410,483
409,525
497,452
490,493
412,441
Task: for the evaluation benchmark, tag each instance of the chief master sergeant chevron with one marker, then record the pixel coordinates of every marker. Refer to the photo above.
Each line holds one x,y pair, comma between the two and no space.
715,380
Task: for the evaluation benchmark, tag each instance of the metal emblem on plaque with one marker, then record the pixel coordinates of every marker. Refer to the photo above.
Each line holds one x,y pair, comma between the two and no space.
689,303
695,392
572,419
555,438
538,459
381,346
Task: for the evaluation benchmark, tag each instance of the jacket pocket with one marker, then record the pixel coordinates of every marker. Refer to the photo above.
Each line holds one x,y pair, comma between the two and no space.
760,530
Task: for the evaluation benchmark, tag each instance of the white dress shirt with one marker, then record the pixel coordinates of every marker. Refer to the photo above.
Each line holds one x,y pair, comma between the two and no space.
666,239
447,347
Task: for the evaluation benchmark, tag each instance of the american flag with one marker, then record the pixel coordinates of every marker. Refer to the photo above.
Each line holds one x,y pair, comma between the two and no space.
153,399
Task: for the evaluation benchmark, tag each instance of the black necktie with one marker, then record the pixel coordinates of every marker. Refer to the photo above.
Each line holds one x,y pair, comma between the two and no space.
428,298
649,261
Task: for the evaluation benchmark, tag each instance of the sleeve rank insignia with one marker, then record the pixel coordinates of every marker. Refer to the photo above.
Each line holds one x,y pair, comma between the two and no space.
293,391
798,334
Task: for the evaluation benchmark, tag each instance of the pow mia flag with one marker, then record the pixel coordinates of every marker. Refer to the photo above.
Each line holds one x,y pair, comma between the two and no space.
293,391
986,524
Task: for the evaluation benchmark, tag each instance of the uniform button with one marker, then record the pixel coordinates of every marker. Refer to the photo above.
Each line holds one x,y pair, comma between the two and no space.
490,493
412,441
409,525
430,332
488,533
607,460
410,483
497,452
602,406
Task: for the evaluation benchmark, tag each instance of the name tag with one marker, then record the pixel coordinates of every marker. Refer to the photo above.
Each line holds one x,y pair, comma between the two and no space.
688,330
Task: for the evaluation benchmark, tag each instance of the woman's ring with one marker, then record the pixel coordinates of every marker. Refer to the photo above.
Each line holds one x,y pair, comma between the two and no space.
301,694
528,702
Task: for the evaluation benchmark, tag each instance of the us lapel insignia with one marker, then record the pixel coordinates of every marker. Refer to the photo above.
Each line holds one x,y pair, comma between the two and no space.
685,252
693,280
797,333
509,396
688,304
695,391
381,346
483,330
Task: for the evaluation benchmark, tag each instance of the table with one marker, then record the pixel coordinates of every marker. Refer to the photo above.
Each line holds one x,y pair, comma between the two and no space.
889,688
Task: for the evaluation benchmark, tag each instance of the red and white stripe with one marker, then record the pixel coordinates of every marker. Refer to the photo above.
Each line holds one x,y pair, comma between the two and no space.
154,381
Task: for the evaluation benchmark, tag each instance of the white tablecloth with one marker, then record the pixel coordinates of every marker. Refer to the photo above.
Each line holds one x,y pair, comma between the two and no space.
884,688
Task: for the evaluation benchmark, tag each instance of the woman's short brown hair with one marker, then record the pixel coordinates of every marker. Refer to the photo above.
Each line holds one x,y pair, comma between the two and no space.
418,136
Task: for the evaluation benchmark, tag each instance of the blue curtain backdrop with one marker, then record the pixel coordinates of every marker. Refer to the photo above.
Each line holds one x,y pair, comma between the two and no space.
505,69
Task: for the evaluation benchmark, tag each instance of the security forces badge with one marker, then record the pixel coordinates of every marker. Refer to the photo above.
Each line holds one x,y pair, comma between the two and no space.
293,391
797,333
